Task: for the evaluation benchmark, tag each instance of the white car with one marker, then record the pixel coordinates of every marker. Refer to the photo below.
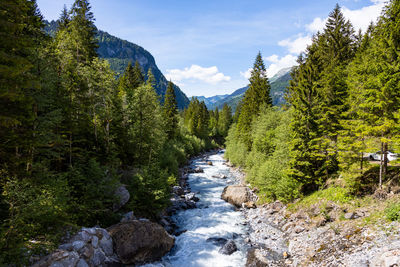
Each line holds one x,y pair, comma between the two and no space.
377,156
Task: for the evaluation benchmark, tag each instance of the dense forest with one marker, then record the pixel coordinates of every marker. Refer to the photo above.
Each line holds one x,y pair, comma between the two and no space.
342,103
72,133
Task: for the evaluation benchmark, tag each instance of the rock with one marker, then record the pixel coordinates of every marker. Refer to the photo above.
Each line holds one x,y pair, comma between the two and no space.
177,190
190,204
250,205
236,194
82,263
220,176
321,222
123,197
256,259
218,241
285,255
349,215
191,196
129,216
209,163
196,170
388,259
298,229
106,245
98,257
67,246
228,248
77,245
95,241
138,242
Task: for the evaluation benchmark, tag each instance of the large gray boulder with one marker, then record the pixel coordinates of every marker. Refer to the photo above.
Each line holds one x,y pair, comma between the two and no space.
236,194
140,241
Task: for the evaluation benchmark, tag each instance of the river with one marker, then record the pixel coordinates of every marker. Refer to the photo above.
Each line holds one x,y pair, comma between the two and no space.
213,218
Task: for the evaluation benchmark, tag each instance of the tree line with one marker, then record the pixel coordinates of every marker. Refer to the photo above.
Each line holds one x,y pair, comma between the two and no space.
71,132
343,101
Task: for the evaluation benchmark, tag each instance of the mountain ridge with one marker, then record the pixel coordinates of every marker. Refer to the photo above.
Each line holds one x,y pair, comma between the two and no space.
279,83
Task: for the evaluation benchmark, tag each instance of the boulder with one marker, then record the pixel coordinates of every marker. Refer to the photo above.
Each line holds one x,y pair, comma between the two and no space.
177,190
196,170
249,205
209,163
255,258
191,196
123,197
236,194
139,242
228,248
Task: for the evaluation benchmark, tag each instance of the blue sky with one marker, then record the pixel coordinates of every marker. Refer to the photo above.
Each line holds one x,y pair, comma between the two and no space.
208,46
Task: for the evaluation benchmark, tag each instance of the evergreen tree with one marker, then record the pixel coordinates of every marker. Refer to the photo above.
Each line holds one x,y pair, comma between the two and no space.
256,96
170,111
307,164
138,77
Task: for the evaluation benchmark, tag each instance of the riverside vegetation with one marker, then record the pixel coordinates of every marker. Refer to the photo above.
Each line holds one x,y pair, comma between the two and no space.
343,102
71,133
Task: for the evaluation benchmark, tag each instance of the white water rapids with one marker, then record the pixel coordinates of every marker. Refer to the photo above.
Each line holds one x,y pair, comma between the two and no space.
213,218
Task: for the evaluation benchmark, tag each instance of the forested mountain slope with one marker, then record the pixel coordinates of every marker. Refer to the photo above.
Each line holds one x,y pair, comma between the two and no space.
120,52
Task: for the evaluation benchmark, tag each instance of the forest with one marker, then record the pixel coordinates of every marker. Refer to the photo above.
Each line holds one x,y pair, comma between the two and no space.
72,131
342,104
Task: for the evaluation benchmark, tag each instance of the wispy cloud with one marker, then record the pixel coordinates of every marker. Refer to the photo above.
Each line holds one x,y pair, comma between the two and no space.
278,63
297,44
209,75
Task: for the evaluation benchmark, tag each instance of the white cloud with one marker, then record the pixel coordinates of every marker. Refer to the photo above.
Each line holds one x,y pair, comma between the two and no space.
318,24
360,18
209,75
296,45
280,63
247,73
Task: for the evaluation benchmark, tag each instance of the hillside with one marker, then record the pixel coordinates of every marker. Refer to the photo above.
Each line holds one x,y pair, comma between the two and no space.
120,52
279,82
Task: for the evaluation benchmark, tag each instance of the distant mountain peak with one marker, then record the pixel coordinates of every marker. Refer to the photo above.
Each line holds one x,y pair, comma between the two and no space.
280,73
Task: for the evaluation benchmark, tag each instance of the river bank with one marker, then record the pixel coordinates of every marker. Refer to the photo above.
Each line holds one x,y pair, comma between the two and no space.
323,234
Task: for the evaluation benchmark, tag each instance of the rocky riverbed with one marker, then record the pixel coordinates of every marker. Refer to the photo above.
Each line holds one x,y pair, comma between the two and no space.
315,237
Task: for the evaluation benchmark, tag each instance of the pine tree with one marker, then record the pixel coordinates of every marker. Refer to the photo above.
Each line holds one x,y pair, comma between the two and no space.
64,19
257,95
377,74
170,111
307,164
138,77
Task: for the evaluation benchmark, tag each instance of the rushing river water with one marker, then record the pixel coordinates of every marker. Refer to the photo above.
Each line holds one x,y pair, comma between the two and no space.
212,218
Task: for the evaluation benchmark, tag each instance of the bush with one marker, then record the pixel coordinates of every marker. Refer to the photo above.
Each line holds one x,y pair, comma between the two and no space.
392,212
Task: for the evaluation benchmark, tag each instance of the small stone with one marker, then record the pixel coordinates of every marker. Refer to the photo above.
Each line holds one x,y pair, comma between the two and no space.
177,190
95,241
67,247
77,245
82,263
106,245
98,257
349,215
209,163
298,229
285,255
228,248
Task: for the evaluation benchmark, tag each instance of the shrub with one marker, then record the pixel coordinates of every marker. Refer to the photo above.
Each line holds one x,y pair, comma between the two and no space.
392,212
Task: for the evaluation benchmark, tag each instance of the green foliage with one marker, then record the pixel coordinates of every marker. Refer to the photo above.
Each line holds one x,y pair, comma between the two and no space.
170,111
255,97
392,212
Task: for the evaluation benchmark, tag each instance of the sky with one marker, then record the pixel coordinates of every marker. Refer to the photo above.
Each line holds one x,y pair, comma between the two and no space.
208,47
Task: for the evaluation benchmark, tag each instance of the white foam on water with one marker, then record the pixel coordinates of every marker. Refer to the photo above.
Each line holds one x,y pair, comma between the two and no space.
213,218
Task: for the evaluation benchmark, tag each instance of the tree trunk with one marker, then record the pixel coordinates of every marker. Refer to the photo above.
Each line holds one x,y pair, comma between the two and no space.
385,160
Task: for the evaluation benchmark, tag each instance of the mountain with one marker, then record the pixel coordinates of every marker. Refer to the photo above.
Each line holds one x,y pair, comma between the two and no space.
210,101
120,52
278,82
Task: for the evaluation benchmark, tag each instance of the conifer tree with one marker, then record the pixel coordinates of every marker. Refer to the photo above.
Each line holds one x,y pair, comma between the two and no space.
170,111
257,95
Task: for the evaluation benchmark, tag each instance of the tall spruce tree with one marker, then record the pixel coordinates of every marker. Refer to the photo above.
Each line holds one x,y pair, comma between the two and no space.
257,95
170,111
307,158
